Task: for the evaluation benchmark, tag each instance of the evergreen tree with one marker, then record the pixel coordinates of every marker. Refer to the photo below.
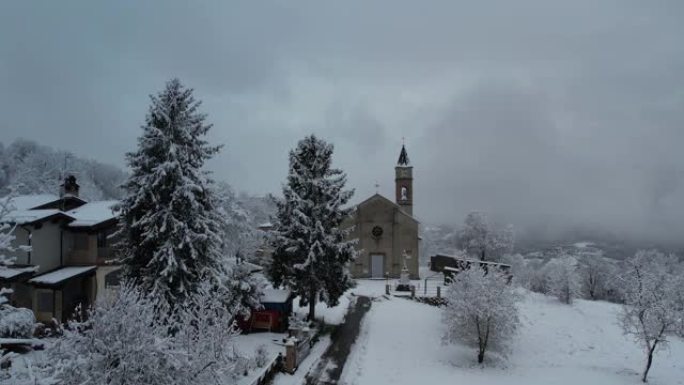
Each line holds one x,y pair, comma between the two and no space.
170,229
312,250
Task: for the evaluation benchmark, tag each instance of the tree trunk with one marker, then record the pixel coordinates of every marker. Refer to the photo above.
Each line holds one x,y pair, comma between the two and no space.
312,304
649,361
480,357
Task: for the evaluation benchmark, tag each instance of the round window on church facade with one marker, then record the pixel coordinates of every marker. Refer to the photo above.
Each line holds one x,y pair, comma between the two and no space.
377,231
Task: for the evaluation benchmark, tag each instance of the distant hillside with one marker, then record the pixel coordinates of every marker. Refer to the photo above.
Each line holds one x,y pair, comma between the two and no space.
31,168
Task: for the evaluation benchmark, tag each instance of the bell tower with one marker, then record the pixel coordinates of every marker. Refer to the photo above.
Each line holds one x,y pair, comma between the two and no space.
404,182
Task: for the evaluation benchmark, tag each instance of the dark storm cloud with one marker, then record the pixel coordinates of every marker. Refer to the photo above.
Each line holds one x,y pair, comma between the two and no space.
547,114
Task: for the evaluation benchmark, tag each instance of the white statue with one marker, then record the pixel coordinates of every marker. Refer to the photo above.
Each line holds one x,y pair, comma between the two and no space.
404,278
404,193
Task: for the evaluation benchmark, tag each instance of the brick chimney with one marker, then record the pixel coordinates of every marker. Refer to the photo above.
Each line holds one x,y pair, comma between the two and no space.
69,188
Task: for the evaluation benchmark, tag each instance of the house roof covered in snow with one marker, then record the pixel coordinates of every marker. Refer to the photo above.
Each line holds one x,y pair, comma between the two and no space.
8,273
23,217
61,275
27,202
93,213
275,296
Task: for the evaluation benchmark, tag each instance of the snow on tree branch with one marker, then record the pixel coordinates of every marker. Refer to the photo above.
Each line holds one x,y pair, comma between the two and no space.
481,311
652,310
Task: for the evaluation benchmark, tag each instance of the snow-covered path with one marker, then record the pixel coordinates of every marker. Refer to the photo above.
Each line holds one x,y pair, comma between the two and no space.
557,345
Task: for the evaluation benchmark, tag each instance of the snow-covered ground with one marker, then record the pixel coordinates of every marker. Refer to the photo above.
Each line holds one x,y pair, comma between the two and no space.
246,346
330,315
400,343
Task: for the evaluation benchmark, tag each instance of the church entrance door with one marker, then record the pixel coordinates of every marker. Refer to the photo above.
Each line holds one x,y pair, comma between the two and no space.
377,266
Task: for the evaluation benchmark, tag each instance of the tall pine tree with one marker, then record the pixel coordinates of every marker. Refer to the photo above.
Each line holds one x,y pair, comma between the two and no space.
312,251
170,230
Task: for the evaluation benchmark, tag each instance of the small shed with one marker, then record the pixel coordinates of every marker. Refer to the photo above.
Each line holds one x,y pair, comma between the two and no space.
274,314
450,266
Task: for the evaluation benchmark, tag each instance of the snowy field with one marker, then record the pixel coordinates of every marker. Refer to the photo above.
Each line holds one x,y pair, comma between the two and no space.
400,343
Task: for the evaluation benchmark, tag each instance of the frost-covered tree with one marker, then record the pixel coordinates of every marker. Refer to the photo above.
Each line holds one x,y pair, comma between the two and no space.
122,341
678,293
481,240
519,269
170,226
595,273
243,214
312,251
481,311
562,278
537,276
29,168
650,312
6,243
6,238
205,333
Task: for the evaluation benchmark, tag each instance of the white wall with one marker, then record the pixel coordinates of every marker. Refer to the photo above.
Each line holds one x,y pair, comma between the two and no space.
45,246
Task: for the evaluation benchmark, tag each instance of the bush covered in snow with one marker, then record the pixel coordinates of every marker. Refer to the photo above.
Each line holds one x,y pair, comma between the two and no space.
121,342
124,341
261,356
16,322
481,311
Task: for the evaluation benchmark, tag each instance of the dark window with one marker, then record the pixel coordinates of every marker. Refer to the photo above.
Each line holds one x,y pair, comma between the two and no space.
101,239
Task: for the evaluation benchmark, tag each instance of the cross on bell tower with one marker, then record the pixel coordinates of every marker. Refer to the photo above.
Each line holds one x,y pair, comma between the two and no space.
404,181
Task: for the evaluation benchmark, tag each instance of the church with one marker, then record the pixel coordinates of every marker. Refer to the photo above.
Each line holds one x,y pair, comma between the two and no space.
386,230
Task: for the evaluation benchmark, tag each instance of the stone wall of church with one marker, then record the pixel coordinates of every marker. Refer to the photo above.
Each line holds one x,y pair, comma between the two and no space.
399,233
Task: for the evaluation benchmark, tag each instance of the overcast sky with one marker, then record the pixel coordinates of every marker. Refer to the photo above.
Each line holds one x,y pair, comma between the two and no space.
546,114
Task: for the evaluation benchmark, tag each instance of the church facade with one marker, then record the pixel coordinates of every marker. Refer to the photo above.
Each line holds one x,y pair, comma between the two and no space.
386,230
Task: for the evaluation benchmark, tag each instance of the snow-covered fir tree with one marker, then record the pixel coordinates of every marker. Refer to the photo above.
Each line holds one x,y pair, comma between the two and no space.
651,312
481,311
170,226
241,289
312,251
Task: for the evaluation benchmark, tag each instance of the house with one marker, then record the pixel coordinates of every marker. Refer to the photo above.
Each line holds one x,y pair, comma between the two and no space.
68,263
387,231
